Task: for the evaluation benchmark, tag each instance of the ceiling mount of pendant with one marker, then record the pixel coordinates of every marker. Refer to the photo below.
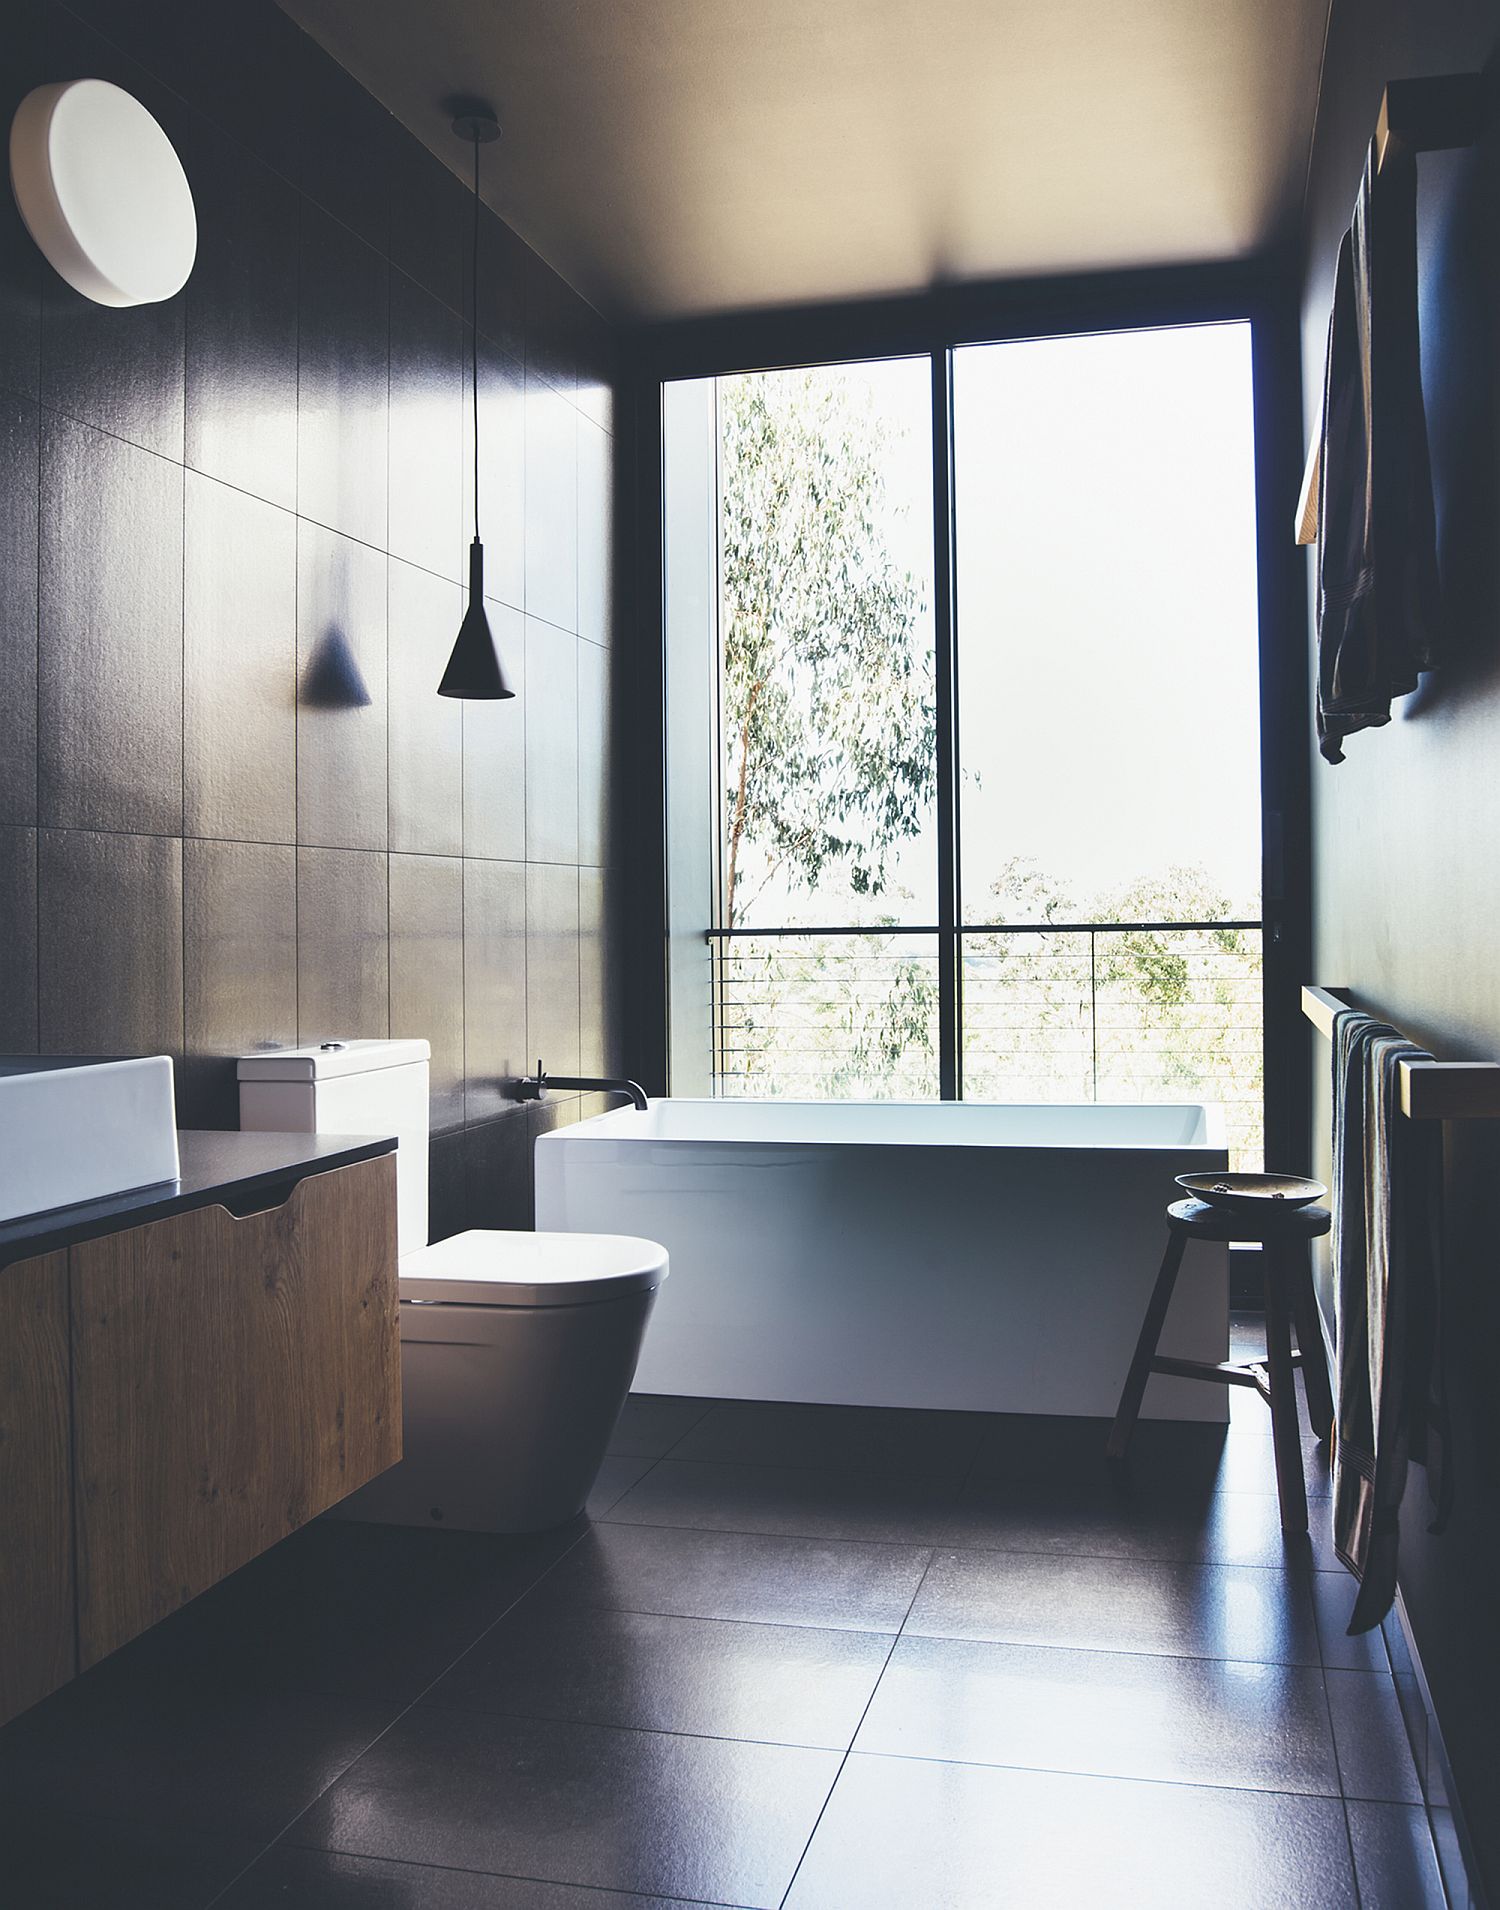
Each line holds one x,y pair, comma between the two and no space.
473,121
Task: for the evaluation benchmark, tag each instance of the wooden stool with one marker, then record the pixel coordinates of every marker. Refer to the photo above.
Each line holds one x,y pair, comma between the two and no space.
1284,1233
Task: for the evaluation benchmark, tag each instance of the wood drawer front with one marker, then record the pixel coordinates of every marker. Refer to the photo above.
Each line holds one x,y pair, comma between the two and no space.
232,1378
36,1514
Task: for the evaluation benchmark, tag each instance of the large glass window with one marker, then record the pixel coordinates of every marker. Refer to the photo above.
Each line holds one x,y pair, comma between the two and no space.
1108,720
1068,899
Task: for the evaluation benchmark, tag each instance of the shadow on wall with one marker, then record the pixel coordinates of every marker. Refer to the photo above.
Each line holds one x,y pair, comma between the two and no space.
333,679
1459,222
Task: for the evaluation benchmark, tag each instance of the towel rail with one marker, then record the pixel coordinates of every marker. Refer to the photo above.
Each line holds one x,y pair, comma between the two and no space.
1430,1090
1416,116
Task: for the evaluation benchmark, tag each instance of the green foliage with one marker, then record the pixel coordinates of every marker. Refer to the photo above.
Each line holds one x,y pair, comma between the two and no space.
828,705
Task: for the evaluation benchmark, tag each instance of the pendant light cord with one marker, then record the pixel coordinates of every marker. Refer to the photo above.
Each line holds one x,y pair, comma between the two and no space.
474,332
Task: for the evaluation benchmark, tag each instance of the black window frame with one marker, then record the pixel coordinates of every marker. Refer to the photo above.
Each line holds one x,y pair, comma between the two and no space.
1261,293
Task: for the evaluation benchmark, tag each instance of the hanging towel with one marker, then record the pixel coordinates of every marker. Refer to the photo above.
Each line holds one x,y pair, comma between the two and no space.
1377,600
1386,1202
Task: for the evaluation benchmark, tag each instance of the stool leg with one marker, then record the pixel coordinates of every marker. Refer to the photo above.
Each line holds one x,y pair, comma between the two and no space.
1310,1345
1117,1446
1286,1437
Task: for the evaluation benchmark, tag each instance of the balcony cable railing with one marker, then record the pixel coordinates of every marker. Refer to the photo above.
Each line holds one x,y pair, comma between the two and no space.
1049,1011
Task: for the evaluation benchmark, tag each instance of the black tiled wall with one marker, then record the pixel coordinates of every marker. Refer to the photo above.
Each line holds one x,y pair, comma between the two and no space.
233,539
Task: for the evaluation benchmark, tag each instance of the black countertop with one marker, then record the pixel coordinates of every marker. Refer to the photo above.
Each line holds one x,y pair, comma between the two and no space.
214,1165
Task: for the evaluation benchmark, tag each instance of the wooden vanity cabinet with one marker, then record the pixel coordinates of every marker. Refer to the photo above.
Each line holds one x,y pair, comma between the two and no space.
232,1378
177,1396
37,1643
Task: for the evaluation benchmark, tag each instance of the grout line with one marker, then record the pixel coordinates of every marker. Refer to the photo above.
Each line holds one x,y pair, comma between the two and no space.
512,1876
649,1730
1296,1570
386,1730
854,1735
1106,1777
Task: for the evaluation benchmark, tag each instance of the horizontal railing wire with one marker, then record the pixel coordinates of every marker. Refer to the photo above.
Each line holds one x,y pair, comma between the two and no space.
1131,1011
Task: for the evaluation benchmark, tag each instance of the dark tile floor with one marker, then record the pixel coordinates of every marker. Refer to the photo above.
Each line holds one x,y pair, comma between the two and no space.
817,1657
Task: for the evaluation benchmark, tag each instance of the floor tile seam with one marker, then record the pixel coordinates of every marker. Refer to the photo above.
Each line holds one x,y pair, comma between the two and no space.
297,1818
502,1876
712,1618
1122,1777
740,1532
322,1792
639,1730
928,1543
797,1466
1112,1777
1292,1568
1359,1895
716,1618
595,1518
844,1760
1239,1658
1122,1651
687,1431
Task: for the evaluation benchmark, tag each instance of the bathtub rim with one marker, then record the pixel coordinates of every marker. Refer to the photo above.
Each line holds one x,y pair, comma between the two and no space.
616,1124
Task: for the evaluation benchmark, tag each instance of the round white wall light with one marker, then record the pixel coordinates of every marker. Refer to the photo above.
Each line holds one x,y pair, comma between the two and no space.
103,192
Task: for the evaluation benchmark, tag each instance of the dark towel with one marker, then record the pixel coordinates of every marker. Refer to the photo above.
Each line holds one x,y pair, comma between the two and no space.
1386,1201
1377,545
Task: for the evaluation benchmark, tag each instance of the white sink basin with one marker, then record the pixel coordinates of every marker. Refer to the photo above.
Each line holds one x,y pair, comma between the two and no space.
74,1130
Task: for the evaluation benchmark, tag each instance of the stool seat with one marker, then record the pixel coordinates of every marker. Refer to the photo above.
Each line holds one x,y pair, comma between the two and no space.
1203,1221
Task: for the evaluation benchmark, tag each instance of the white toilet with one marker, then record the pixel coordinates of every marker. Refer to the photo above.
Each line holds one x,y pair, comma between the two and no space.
517,1349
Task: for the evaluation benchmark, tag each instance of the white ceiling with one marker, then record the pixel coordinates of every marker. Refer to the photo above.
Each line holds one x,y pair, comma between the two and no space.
680,156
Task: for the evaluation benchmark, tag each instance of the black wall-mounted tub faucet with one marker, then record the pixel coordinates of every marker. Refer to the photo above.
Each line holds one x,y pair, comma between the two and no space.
531,1087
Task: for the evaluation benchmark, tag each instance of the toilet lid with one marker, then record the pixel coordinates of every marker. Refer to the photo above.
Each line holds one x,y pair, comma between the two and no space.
489,1268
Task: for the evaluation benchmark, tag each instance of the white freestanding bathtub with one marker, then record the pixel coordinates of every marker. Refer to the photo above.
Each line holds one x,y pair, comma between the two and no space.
940,1254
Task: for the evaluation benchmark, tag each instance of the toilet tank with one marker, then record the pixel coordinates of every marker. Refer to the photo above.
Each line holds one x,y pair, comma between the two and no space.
349,1087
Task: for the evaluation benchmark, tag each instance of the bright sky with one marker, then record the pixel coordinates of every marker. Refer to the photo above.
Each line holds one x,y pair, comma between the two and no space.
1109,720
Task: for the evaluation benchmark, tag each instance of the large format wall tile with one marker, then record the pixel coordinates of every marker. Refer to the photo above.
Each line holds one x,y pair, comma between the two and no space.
239,665
343,946
553,332
109,913
241,346
595,743
18,626
495,961
342,380
346,143
551,744
495,753
110,666
502,285
552,966
427,431
551,505
239,945
427,971
341,691
596,531
18,944
430,226
502,474
426,730
600,974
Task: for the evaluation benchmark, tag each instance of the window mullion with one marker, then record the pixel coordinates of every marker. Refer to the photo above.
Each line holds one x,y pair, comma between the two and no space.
945,631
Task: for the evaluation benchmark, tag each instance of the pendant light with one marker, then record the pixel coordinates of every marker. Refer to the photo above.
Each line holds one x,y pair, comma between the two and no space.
474,669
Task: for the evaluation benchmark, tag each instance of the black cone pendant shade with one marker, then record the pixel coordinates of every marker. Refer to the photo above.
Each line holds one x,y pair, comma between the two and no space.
474,669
